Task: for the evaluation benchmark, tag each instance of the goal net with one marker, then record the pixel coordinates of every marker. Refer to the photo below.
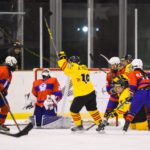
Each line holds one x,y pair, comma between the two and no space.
98,79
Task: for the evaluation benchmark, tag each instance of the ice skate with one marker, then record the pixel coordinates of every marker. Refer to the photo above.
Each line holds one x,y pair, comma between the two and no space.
77,128
4,128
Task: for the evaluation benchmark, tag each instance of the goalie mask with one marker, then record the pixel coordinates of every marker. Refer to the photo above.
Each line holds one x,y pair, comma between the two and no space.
74,59
11,62
45,74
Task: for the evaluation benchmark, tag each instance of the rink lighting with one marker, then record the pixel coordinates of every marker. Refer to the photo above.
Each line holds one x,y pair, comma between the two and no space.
85,29
97,29
78,29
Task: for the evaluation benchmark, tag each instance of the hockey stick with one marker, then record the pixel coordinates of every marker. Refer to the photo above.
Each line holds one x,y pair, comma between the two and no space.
51,36
92,58
104,123
91,126
105,58
66,87
21,132
5,101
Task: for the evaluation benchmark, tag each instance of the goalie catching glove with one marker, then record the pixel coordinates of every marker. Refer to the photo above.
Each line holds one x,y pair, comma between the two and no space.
30,101
50,102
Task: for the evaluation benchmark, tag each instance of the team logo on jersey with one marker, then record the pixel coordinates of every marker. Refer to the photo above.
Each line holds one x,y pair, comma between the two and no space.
42,87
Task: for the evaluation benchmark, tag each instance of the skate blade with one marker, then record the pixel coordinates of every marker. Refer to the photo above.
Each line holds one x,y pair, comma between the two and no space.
101,132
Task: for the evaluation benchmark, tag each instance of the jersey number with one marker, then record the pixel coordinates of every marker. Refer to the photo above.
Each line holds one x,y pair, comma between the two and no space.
85,78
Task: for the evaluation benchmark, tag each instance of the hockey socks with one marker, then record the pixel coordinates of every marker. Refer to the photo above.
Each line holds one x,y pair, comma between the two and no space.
96,116
76,118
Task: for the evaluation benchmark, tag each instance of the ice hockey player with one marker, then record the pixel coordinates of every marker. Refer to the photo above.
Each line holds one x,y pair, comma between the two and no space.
121,87
125,64
114,71
83,91
45,95
5,80
139,82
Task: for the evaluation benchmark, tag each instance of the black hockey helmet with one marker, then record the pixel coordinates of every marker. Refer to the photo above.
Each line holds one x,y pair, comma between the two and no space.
75,59
127,57
17,44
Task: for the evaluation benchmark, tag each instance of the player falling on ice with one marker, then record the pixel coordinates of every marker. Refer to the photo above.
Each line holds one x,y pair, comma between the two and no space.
83,91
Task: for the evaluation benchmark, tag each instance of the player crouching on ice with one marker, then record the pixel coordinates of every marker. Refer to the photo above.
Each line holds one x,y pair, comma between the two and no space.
121,87
45,95
83,91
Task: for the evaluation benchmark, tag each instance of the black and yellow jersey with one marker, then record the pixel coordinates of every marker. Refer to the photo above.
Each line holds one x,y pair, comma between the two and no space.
79,75
124,102
128,69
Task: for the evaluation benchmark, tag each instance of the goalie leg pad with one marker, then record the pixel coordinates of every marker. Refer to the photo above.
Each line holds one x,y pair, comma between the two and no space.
56,122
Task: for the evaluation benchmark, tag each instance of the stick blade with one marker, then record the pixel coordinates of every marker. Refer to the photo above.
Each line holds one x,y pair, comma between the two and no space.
25,131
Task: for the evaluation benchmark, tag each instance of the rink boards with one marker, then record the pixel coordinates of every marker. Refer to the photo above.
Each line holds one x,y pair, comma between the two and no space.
22,84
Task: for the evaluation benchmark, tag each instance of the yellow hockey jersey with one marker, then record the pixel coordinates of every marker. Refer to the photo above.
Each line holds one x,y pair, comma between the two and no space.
79,75
128,68
123,106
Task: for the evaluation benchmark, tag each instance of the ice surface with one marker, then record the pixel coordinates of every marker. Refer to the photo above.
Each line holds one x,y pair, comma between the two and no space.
64,139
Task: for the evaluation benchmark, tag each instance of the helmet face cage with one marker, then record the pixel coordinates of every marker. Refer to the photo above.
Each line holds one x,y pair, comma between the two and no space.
74,59
121,82
114,63
45,74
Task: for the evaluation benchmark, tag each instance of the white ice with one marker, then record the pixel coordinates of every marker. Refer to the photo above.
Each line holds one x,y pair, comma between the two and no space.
64,139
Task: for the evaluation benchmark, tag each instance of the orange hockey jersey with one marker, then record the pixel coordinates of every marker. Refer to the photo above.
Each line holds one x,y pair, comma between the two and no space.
5,78
41,88
137,81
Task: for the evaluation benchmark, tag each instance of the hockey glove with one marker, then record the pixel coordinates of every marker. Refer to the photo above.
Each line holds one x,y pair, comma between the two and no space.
4,92
112,114
62,55
30,101
50,102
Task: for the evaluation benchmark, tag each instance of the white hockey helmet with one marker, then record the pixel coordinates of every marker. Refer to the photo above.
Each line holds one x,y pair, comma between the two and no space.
114,60
46,73
11,61
137,63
